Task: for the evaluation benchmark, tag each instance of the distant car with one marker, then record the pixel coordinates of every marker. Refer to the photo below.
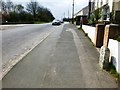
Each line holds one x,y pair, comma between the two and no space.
62,21
56,22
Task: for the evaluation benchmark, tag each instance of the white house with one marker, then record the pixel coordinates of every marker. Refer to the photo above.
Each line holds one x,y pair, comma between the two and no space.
83,13
107,6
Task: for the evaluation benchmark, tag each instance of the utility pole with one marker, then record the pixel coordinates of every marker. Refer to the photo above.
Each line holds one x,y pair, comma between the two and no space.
64,14
68,14
73,13
89,9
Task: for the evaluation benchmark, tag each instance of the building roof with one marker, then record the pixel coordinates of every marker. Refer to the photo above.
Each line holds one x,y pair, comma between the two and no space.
83,12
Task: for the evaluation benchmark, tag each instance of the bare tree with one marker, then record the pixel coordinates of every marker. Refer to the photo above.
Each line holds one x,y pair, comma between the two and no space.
19,8
9,6
32,7
3,7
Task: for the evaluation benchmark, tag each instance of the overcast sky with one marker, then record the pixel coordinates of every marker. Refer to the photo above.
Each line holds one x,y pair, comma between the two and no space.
59,7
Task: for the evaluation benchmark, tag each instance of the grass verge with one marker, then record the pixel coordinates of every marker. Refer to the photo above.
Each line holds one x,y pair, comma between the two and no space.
113,72
37,22
80,29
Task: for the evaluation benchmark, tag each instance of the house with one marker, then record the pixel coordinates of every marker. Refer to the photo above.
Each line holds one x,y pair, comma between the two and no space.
91,7
82,15
107,6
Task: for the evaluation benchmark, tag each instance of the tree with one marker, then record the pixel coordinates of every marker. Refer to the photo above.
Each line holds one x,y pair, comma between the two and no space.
9,6
17,14
3,7
19,8
32,7
45,14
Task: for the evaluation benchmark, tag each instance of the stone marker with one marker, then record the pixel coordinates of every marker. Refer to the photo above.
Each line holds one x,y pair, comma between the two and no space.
104,57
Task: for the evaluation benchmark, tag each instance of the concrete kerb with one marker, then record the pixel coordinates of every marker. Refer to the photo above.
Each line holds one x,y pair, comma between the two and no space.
14,62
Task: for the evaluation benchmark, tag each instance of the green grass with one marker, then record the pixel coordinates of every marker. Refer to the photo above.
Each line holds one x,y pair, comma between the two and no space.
113,72
80,29
118,39
38,22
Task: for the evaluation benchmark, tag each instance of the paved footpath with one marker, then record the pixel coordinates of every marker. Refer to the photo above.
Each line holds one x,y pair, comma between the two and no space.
66,59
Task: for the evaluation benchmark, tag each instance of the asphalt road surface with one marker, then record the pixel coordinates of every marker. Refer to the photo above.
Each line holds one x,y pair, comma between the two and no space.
65,59
17,41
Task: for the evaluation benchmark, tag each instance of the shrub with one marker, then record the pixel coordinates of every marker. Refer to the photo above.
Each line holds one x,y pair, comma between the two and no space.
118,38
91,20
111,16
95,16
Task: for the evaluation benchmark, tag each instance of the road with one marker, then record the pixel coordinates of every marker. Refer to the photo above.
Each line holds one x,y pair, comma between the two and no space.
65,59
18,41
